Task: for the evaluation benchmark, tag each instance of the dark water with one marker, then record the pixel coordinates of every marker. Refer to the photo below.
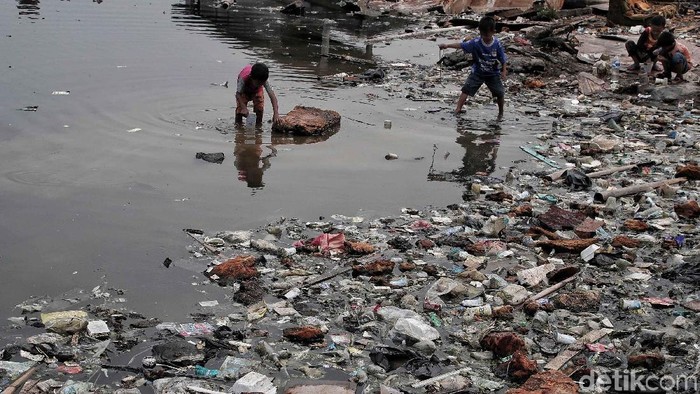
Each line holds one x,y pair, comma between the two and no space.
97,185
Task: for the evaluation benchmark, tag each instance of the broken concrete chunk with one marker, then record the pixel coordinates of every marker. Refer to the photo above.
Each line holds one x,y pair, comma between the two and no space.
560,219
66,322
533,276
578,301
237,268
308,121
513,294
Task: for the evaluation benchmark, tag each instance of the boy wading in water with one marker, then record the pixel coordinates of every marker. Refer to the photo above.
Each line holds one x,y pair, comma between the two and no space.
489,64
251,81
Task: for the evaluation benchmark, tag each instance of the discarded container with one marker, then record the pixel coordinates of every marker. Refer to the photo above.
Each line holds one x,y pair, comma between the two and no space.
205,372
630,304
484,310
387,124
589,253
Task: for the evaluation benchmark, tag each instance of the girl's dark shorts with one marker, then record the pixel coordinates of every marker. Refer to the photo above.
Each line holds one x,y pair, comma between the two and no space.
493,82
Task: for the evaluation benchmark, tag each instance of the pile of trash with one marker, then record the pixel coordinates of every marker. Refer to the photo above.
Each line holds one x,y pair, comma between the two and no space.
504,290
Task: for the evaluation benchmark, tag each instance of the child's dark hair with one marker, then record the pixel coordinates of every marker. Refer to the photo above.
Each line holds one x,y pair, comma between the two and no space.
666,38
487,24
658,20
259,72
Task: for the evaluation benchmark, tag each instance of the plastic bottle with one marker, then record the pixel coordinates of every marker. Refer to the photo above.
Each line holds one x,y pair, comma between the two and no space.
615,76
205,372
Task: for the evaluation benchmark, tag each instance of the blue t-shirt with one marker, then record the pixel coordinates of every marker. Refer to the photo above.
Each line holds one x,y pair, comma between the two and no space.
486,57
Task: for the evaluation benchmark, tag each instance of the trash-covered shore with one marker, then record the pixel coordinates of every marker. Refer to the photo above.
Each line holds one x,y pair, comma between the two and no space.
580,265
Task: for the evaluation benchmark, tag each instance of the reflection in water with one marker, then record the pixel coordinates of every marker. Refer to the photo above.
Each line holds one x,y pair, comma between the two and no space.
29,8
249,160
481,148
480,142
254,150
292,41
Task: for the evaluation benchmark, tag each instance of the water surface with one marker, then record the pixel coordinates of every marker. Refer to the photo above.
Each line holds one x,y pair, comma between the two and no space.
97,184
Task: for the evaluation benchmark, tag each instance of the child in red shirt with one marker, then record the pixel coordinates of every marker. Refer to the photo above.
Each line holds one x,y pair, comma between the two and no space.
674,56
643,49
251,81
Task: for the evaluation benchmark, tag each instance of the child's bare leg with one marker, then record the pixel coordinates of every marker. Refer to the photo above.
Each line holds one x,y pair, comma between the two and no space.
501,103
258,118
460,103
239,118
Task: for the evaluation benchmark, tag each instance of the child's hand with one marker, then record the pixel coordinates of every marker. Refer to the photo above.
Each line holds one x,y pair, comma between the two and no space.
442,46
244,112
275,118
504,75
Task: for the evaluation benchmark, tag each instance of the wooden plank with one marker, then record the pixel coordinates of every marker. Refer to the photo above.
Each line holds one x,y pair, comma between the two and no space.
575,348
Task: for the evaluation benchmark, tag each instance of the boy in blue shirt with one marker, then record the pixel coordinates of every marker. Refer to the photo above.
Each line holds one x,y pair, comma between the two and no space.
489,64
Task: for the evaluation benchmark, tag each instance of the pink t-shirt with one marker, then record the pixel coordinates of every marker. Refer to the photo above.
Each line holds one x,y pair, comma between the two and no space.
245,86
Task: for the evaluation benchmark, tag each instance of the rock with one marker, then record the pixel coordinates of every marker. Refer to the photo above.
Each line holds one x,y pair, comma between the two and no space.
375,268
65,322
689,210
560,219
533,276
264,246
415,329
308,121
681,322
502,343
425,244
254,382
691,172
238,268
648,361
513,294
519,367
578,301
547,382
567,245
303,334
522,210
636,225
216,158
625,241
358,248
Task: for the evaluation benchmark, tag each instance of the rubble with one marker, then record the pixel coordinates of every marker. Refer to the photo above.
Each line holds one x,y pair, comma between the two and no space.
308,121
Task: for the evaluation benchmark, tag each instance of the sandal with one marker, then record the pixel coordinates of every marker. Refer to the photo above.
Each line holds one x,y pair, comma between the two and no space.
678,79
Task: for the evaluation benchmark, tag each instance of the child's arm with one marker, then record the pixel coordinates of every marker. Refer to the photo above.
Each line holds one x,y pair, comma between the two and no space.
273,100
453,45
643,38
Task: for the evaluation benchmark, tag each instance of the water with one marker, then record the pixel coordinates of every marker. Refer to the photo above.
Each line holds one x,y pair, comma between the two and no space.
96,185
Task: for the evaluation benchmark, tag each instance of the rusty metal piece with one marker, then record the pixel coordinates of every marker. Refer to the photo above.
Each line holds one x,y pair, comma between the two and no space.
561,219
567,245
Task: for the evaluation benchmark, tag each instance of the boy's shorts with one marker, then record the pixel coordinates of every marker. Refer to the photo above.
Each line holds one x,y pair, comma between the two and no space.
678,58
258,102
493,82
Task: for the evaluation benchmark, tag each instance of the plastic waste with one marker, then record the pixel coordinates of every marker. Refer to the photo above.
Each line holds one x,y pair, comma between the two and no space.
615,70
205,372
